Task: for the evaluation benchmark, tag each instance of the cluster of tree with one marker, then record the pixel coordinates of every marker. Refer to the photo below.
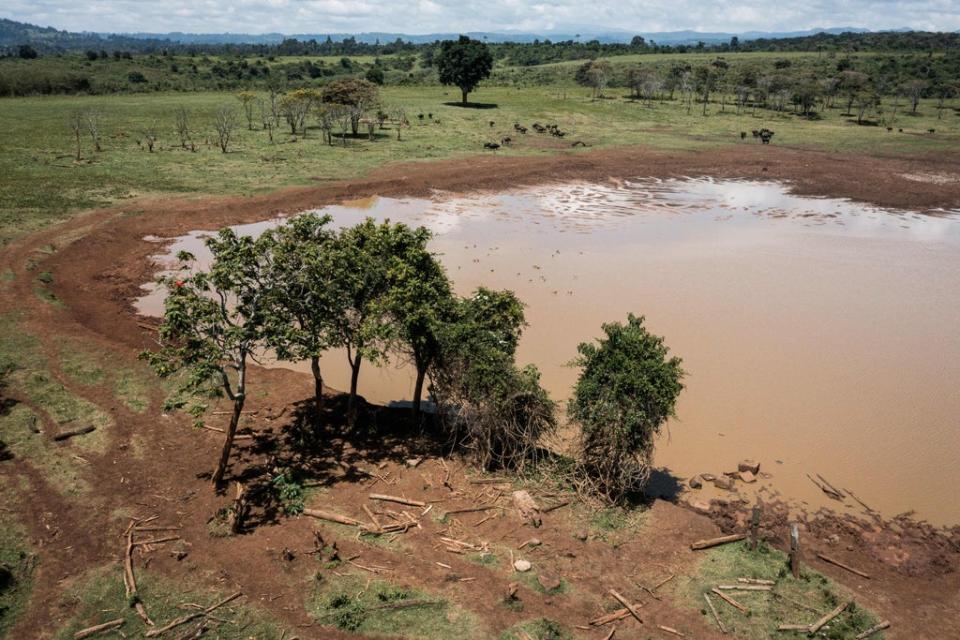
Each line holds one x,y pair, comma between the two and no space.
377,292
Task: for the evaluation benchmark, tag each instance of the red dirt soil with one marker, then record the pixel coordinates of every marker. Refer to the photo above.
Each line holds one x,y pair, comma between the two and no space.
98,275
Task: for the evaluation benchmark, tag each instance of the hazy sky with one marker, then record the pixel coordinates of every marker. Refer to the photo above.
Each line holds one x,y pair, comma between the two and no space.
426,16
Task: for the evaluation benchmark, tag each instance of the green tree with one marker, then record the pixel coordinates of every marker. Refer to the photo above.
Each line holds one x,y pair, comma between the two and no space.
212,326
358,93
303,300
464,63
628,387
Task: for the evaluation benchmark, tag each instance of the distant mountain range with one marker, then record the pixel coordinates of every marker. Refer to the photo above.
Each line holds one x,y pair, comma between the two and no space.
14,33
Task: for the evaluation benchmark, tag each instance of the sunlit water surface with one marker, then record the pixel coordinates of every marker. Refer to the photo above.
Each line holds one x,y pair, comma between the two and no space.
820,335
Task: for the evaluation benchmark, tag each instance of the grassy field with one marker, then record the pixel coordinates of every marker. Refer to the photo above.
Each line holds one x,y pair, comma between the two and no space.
43,183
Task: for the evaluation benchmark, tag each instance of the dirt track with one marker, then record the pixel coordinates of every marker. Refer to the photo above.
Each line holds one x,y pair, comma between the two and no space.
97,276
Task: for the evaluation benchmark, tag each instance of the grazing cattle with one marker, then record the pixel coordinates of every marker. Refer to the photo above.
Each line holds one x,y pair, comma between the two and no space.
743,135
492,123
539,128
430,116
557,133
491,145
506,140
519,128
900,130
889,129
931,130
765,135
756,134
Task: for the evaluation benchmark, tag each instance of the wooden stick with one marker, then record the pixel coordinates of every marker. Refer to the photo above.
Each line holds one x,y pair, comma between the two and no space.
830,492
713,610
730,601
613,616
797,603
670,630
490,481
626,603
130,582
794,627
397,499
193,616
140,543
470,510
66,435
795,550
713,542
816,626
554,507
744,587
756,581
373,518
332,517
664,581
405,604
609,636
90,631
872,630
832,488
862,503
843,566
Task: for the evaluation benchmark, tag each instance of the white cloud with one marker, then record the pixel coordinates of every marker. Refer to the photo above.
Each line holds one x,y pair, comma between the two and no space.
430,16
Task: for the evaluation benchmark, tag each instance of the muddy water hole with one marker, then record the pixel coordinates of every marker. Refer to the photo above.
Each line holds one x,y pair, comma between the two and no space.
819,334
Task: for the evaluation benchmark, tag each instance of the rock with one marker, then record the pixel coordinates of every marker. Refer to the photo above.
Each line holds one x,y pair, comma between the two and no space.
748,477
548,582
414,462
834,539
700,505
582,535
723,482
522,566
695,482
749,465
708,477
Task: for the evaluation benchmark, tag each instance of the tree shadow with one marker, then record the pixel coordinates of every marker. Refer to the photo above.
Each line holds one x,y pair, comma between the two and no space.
473,105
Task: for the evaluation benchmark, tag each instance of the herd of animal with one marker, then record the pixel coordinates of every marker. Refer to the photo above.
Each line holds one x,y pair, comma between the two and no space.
551,129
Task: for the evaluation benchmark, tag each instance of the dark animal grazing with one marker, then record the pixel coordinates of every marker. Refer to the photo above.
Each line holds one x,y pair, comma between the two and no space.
931,130
506,140
491,145
900,130
420,116
492,123
756,134
765,135
889,129
539,128
519,128
557,133
430,115
743,135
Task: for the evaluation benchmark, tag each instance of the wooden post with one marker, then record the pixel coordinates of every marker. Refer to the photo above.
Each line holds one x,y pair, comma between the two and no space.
795,550
755,527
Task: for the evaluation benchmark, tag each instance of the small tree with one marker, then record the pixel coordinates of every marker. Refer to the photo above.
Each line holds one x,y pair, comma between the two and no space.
304,299
224,123
212,326
266,118
464,63
628,387
914,91
94,122
182,119
357,93
248,100
296,106
76,127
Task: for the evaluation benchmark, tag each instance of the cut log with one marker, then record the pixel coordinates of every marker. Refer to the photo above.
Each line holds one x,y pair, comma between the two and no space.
843,566
397,499
730,601
816,626
554,507
613,616
332,517
716,616
66,435
94,630
527,507
470,510
626,603
874,629
714,542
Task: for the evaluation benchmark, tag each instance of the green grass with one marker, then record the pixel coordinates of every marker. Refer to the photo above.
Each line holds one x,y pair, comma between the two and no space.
529,579
43,184
95,367
100,597
354,604
539,629
723,565
17,564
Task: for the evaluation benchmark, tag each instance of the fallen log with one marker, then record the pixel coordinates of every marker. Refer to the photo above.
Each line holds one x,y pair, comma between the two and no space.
332,517
153,633
397,499
66,435
793,627
832,488
874,629
730,601
843,566
671,630
714,542
744,587
716,616
94,630
130,581
833,494
626,603
816,626
613,616
470,510
554,507
756,581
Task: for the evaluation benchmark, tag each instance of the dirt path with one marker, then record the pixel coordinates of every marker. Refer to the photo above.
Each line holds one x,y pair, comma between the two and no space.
97,277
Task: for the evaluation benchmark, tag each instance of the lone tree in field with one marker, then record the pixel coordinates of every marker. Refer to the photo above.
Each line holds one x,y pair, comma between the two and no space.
357,93
76,128
182,121
225,123
248,99
304,300
213,326
628,387
94,121
464,63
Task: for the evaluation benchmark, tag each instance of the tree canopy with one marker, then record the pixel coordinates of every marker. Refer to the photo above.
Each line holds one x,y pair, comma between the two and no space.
464,63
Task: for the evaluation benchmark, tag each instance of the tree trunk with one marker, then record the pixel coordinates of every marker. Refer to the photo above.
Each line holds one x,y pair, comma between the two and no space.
352,400
463,93
317,386
228,441
418,391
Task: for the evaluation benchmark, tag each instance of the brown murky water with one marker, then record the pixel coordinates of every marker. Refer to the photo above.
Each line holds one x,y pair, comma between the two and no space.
820,335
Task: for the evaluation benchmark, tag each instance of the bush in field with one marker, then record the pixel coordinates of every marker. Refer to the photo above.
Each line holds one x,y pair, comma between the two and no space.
358,93
486,403
627,389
